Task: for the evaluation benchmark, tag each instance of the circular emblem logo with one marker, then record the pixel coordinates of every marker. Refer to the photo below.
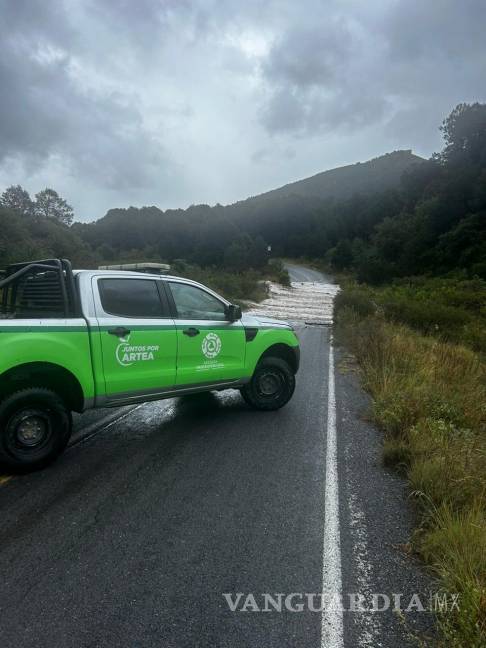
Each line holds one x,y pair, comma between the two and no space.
121,352
211,345
122,356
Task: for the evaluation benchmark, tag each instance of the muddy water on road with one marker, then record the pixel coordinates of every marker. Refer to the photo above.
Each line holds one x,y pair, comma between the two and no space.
308,302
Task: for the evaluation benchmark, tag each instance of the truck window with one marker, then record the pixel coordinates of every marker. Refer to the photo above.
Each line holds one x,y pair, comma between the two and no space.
131,298
194,303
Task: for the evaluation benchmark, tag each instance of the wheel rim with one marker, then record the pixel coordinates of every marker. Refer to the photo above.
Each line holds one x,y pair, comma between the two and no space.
32,430
28,433
270,384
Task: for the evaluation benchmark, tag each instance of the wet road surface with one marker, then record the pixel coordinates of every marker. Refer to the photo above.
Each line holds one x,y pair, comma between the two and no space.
155,512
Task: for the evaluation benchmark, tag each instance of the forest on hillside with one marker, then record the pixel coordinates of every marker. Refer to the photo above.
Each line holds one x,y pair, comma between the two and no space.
431,221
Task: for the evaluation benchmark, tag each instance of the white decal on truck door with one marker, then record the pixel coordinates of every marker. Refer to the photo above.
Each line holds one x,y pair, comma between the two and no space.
126,353
211,345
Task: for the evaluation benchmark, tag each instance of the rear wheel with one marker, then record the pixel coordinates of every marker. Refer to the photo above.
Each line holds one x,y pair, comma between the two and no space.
35,426
271,386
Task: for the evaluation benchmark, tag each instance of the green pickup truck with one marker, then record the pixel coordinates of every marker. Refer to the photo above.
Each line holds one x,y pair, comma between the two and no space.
78,339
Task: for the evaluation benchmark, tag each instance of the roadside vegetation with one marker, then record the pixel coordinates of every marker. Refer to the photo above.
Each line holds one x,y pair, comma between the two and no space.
239,287
421,347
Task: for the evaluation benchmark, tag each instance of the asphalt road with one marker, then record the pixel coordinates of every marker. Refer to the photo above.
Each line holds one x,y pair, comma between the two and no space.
134,535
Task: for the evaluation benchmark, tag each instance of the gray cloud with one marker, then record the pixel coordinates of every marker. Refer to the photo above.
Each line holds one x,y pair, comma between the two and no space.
410,61
44,112
174,102
309,57
450,30
314,80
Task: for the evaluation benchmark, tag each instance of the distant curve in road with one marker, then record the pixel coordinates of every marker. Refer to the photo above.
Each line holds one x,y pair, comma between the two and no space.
301,273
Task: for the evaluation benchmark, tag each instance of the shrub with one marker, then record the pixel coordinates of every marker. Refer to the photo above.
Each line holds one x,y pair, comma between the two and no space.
427,316
452,309
357,300
276,271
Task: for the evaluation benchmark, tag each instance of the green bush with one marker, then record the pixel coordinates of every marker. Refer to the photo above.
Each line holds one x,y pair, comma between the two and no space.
276,271
235,286
449,308
427,316
357,300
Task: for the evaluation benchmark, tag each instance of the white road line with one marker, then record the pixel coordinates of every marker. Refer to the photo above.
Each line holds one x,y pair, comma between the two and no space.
332,615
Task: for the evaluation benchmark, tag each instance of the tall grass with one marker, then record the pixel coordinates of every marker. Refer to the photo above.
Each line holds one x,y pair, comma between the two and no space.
429,398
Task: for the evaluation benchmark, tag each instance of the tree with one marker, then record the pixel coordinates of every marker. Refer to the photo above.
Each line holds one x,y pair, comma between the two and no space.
106,252
464,132
236,255
49,204
342,255
17,199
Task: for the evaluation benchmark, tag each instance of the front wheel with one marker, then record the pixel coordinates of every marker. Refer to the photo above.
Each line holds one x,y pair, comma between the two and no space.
35,426
271,386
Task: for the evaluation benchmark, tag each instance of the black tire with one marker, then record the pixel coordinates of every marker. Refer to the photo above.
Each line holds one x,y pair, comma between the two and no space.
35,426
271,386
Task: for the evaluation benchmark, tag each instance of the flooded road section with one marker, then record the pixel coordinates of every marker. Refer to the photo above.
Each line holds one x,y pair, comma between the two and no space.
305,301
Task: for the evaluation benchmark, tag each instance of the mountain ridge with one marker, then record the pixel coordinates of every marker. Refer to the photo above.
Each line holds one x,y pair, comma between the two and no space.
374,175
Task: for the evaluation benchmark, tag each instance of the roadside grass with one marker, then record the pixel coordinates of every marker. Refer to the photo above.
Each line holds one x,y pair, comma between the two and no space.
429,398
451,308
238,287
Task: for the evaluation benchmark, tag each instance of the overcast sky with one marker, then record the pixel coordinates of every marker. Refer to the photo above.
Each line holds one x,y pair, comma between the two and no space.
172,102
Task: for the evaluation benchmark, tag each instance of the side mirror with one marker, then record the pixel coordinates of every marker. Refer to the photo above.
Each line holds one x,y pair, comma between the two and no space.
233,312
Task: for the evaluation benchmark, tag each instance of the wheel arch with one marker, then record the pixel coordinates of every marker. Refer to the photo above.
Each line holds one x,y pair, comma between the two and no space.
285,352
44,374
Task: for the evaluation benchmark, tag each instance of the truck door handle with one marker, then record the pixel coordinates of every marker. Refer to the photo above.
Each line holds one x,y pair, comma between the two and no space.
191,331
119,331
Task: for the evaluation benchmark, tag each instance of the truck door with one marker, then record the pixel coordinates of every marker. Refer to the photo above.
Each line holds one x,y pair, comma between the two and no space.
210,348
138,337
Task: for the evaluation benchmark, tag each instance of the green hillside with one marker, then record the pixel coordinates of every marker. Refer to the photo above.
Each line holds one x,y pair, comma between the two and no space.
236,236
364,178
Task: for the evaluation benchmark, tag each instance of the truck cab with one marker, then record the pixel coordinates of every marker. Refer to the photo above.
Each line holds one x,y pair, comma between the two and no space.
73,340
